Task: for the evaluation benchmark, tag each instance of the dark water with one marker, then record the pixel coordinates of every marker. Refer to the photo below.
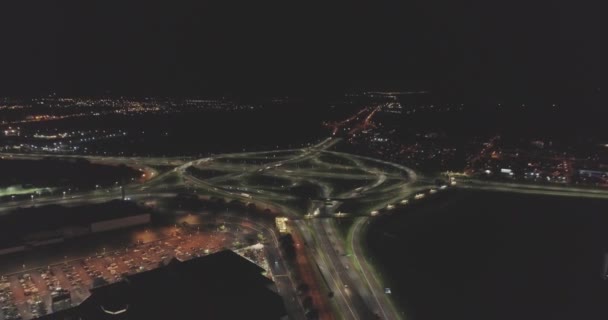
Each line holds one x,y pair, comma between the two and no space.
480,255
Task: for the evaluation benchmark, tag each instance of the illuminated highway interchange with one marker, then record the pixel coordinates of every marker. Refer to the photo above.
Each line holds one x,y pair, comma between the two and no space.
311,187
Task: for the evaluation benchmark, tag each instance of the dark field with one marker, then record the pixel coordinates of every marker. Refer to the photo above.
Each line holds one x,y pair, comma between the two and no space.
78,173
481,255
198,133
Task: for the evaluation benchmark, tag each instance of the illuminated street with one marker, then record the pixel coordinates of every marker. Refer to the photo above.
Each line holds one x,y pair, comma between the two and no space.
275,160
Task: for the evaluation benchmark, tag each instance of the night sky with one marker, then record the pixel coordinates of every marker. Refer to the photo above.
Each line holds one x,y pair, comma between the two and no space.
473,49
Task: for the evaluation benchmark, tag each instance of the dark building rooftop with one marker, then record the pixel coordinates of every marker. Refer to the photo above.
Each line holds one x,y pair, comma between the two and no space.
25,221
222,286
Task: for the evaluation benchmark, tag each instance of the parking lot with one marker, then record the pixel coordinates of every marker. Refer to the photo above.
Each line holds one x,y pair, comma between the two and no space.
29,293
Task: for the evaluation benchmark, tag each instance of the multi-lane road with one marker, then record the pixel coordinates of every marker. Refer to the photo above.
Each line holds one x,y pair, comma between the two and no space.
345,277
338,265
551,190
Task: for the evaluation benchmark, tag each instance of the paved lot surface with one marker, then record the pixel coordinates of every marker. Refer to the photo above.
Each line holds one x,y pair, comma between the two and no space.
29,293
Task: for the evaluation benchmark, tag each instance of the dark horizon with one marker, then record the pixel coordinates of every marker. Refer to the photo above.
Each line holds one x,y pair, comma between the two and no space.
549,50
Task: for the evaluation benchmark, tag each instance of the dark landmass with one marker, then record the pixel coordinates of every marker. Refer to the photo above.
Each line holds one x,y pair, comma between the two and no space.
74,173
482,255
